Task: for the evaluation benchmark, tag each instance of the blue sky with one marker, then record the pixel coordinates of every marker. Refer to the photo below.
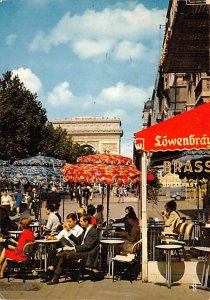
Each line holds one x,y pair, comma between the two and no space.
85,57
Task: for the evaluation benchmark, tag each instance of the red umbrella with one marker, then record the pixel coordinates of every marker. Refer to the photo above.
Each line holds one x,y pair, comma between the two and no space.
105,158
104,169
100,173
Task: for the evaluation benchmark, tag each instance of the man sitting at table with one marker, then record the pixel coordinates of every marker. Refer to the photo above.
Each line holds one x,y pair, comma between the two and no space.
86,246
53,220
69,227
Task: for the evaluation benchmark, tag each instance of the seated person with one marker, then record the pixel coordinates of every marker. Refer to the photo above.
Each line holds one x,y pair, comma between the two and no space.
81,211
128,209
86,246
99,216
53,220
170,217
17,254
133,236
91,210
56,212
6,225
70,226
24,212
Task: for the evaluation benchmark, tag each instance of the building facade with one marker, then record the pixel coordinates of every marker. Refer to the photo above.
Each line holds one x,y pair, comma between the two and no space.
102,134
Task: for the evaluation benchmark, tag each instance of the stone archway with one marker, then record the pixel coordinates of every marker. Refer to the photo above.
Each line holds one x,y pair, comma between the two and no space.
103,134
89,146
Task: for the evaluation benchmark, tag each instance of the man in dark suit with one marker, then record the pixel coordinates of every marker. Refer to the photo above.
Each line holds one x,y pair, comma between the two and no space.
86,246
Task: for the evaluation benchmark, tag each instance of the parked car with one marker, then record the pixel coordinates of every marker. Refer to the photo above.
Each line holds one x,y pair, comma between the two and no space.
177,192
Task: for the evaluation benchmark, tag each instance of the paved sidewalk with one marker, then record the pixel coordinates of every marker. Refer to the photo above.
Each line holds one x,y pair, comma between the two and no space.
103,290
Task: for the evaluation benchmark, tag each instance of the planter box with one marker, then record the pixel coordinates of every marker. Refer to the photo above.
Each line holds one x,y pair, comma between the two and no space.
181,272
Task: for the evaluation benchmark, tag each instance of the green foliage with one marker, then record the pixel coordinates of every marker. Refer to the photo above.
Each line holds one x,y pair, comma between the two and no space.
22,119
24,128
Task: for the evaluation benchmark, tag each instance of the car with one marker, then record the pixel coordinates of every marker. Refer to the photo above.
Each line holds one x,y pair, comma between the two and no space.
177,193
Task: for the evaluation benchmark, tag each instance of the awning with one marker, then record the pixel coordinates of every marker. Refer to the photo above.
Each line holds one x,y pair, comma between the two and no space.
187,131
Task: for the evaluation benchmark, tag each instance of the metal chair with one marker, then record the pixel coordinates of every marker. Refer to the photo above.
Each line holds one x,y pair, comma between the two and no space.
185,238
24,266
128,261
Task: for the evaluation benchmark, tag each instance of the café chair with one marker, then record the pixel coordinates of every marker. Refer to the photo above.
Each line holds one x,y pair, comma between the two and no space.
24,266
76,266
130,262
185,238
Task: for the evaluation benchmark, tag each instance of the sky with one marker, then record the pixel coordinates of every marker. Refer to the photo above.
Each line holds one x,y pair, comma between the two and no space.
85,57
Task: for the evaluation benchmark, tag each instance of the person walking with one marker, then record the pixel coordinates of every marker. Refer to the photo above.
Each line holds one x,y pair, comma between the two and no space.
18,201
121,194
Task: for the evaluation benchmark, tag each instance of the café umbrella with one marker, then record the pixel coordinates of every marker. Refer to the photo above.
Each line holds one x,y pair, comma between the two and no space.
103,169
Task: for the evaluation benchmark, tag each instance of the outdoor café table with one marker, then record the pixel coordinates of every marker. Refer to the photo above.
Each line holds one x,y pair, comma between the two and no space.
168,249
111,244
15,233
154,231
205,273
44,247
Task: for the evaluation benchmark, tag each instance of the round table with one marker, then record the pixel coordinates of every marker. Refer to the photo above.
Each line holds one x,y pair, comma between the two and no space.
111,244
205,273
44,246
15,233
168,249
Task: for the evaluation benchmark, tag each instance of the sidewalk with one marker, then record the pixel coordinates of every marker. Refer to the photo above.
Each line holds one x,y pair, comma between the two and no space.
103,290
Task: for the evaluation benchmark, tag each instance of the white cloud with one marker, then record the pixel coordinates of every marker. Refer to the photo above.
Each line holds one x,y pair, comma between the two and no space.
123,95
10,39
116,31
112,101
90,49
61,95
30,80
128,50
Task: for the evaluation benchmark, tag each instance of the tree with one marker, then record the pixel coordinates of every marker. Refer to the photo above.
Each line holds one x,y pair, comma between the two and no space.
57,143
24,128
22,119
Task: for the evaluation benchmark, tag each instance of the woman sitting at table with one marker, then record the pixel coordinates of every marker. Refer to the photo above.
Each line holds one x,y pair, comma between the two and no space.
170,217
128,210
130,237
25,237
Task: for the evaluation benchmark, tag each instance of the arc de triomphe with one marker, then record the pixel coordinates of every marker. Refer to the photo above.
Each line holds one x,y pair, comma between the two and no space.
103,134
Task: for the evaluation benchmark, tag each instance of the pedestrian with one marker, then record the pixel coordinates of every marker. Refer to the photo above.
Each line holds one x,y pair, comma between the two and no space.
18,201
121,194
35,198
6,201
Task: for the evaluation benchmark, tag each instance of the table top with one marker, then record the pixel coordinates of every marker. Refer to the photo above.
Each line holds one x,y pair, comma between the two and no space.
202,248
15,231
112,242
169,247
156,225
43,241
